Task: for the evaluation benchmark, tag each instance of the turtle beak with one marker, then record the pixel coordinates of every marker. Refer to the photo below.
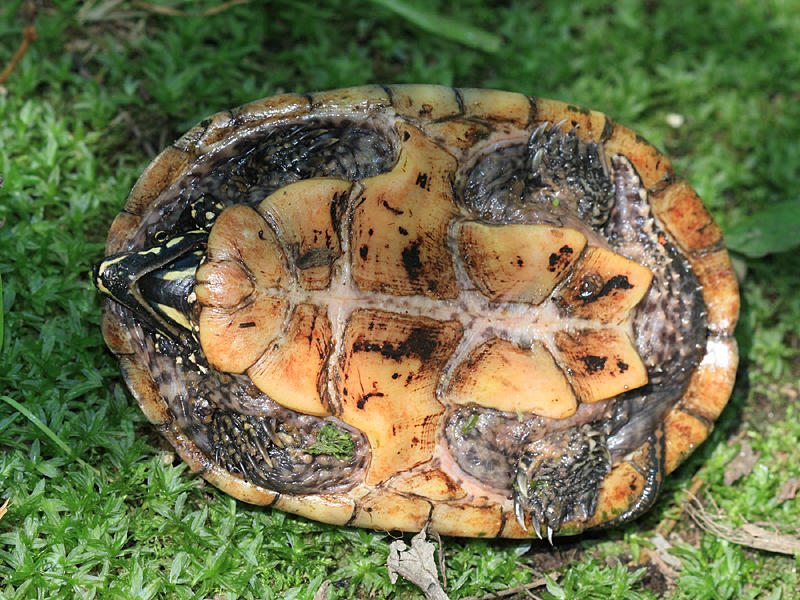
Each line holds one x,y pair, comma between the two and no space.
155,283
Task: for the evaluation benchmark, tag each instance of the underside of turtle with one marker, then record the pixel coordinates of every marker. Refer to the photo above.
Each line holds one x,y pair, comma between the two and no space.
392,306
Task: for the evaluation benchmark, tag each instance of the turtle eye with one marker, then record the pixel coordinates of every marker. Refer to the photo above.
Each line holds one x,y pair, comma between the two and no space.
591,286
160,236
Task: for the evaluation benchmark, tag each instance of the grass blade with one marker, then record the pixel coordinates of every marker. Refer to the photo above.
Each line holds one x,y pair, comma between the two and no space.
2,311
775,229
47,431
444,27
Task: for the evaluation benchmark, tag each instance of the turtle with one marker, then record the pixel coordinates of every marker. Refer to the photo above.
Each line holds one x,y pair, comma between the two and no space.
403,306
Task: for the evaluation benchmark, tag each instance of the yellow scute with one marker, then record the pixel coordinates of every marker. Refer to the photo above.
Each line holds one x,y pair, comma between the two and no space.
505,377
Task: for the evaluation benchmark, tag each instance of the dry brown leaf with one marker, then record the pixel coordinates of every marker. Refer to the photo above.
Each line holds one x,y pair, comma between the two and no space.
416,564
742,464
749,534
322,592
4,508
789,489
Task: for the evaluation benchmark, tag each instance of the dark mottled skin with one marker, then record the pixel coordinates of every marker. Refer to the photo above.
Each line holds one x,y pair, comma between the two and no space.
487,442
558,474
669,324
553,175
297,152
247,433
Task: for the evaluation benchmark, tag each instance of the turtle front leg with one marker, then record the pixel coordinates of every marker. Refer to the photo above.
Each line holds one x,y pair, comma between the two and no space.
558,476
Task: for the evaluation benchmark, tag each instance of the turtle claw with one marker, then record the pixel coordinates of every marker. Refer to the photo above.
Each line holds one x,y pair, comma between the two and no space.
537,527
268,427
520,497
519,513
558,478
556,128
537,133
537,160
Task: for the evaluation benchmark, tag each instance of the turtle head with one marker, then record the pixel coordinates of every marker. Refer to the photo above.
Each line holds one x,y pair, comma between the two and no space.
156,283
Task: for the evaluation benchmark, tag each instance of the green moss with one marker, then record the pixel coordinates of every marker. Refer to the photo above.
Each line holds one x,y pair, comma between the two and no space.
569,530
334,441
470,424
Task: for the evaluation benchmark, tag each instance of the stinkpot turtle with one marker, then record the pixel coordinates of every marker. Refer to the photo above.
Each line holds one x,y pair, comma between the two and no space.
390,306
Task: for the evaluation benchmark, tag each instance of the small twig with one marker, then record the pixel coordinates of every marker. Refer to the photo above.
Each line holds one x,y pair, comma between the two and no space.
667,525
175,12
29,35
511,591
435,535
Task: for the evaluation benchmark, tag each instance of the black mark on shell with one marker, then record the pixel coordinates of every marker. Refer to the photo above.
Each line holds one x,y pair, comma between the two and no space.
420,343
411,260
594,364
557,260
396,211
363,400
618,282
315,257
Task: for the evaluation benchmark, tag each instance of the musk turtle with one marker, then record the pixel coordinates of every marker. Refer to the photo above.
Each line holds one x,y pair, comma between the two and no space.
388,306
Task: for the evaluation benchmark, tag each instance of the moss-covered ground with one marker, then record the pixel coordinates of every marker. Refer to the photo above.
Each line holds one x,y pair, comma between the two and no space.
99,507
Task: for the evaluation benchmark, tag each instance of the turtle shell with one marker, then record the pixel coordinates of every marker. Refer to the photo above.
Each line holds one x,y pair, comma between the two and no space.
390,306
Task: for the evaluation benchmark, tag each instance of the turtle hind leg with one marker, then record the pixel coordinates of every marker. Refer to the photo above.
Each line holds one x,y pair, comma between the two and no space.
558,477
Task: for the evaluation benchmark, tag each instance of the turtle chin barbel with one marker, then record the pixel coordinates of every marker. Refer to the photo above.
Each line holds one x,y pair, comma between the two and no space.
396,306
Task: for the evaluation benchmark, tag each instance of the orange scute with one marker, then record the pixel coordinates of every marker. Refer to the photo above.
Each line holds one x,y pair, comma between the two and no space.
601,362
518,263
289,369
502,376
604,286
